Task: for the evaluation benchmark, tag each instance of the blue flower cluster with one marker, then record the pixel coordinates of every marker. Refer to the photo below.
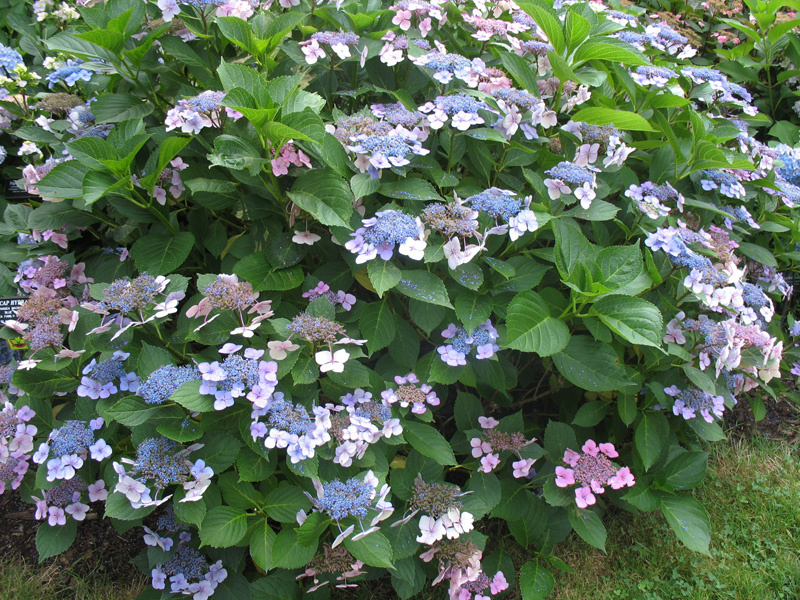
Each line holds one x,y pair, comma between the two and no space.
9,58
342,499
70,74
164,381
497,203
160,459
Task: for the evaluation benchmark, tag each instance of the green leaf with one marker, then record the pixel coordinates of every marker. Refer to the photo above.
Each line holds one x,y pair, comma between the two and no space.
700,379
188,396
114,108
289,553
588,525
65,180
521,70
621,119
426,440
410,188
634,319
275,587
620,265
558,437
255,269
191,513
688,520
612,52
626,407
425,287
650,437
223,527
167,150
132,411
572,247
43,384
383,275
262,539
535,582
409,578
325,196
54,540
532,329
590,414
282,503
600,210
377,325
160,254
374,550
686,470
576,29
219,450
591,365
548,20
758,253
473,309
119,507
239,494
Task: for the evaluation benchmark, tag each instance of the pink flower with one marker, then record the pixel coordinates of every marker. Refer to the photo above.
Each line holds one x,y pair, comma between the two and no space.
609,450
498,583
590,448
479,447
571,457
278,350
564,477
488,422
624,477
522,467
305,237
584,497
489,463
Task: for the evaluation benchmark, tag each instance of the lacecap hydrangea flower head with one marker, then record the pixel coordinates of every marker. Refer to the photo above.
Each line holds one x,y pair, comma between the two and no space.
592,471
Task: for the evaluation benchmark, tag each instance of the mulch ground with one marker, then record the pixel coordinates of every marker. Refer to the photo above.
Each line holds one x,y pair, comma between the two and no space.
98,550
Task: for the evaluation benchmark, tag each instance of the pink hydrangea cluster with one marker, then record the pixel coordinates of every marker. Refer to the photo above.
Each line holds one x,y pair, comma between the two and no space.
489,446
409,393
592,471
16,443
323,290
286,157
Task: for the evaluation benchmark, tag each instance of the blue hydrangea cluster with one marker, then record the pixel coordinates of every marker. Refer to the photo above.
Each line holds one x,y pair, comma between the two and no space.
727,183
159,460
663,36
443,64
521,98
497,203
658,76
342,499
458,103
290,426
534,47
126,296
74,437
790,170
728,91
754,296
571,174
459,344
689,402
380,234
187,562
164,381
238,376
69,74
335,38
206,102
396,114
622,18
631,37
9,58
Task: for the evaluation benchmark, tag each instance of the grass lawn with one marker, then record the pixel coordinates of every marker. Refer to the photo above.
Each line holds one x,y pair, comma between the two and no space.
752,493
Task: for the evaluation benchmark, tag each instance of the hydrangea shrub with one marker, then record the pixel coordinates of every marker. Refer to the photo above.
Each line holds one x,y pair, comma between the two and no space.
315,293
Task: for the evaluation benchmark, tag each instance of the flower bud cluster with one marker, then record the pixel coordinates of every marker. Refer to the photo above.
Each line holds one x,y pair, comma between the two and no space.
492,442
66,500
